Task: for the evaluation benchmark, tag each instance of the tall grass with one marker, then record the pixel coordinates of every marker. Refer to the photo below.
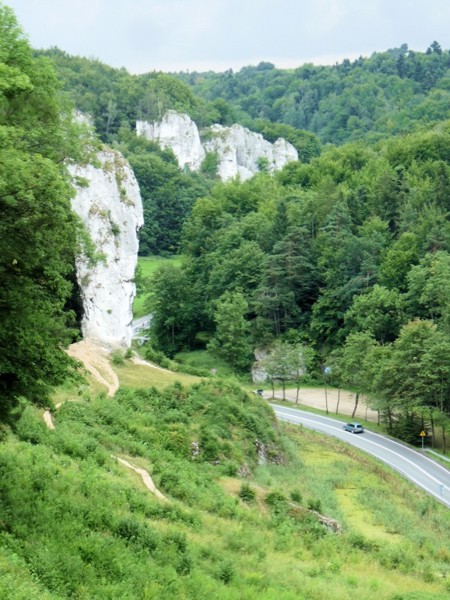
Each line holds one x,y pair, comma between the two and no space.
74,523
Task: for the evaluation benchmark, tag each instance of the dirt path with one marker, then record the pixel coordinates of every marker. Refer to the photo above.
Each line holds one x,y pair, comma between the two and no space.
95,359
316,398
148,481
96,362
139,361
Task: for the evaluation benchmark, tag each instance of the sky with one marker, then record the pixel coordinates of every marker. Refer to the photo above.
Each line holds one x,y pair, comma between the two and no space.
201,35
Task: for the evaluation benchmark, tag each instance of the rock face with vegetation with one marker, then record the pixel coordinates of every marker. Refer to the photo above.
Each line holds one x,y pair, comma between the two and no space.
109,203
180,134
243,152
239,151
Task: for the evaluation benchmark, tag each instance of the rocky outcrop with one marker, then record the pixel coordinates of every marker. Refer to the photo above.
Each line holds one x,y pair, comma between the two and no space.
109,204
180,134
243,152
240,152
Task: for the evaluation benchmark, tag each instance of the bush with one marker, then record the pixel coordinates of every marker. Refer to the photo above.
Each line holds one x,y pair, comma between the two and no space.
315,504
296,496
137,533
247,493
155,356
277,501
358,541
117,357
30,428
225,572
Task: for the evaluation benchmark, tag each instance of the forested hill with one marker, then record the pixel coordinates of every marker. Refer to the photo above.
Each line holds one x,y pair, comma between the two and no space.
389,93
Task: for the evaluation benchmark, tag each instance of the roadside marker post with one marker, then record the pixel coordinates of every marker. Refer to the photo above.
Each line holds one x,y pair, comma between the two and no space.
422,435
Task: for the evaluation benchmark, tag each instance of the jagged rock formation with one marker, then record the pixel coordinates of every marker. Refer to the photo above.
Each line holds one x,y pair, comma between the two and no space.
240,152
243,152
179,133
109,203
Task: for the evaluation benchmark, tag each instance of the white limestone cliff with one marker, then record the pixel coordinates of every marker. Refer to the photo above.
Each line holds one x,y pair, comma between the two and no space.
240,151
108,201
179,133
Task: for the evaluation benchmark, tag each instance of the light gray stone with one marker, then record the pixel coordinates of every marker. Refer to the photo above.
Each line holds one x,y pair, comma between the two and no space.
180,134
239,150
108,201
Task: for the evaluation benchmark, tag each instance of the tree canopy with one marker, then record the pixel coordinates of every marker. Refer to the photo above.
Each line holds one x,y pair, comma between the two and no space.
38,231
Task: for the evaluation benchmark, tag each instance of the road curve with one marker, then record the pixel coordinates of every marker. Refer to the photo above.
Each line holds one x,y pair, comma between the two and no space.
421,470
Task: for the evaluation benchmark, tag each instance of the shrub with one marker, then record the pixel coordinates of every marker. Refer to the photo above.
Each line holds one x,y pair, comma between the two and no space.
296,496
184,565
358,541
277,501
225,571
153,355
30,428
394,558
117,357
247,493
137,533
315,504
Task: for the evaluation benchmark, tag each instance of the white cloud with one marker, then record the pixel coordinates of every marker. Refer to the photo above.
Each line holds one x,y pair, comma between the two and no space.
166,34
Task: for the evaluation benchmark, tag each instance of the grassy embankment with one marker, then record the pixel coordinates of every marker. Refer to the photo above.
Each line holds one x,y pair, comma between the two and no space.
76,524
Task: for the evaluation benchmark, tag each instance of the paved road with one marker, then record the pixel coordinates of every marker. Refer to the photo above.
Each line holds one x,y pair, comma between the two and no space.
419,469
140,325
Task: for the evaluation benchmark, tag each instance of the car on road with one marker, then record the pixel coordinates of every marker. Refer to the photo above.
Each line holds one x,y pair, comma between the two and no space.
354,427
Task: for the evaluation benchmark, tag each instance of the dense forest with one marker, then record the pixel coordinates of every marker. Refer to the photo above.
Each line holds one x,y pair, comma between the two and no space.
348,254
345,252
386,94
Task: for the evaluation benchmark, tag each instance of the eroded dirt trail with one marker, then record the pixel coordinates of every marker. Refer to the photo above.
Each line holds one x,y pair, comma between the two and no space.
95,360
148,481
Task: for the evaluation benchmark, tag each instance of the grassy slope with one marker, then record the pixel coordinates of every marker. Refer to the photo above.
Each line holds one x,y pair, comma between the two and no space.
76,524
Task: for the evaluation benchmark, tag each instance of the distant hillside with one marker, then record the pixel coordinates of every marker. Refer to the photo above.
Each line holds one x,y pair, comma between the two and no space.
370,98
390,92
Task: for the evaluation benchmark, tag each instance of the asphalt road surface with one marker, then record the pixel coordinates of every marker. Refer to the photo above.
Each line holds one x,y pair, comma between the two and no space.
421,470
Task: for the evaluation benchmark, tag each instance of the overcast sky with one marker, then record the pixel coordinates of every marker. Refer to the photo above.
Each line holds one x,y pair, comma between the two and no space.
189,35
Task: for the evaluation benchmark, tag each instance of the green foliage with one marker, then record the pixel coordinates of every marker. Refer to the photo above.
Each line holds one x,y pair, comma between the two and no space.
230,340
172,305
38,231
117,357
296,496
387,93
210,165
168,194
247,493
74,526
335,253
380,312
315,504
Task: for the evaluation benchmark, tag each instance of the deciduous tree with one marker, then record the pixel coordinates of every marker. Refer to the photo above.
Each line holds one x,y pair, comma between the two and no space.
38,232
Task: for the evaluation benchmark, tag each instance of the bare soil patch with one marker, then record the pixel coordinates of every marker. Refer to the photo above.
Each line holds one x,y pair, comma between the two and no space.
335,401
95,359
